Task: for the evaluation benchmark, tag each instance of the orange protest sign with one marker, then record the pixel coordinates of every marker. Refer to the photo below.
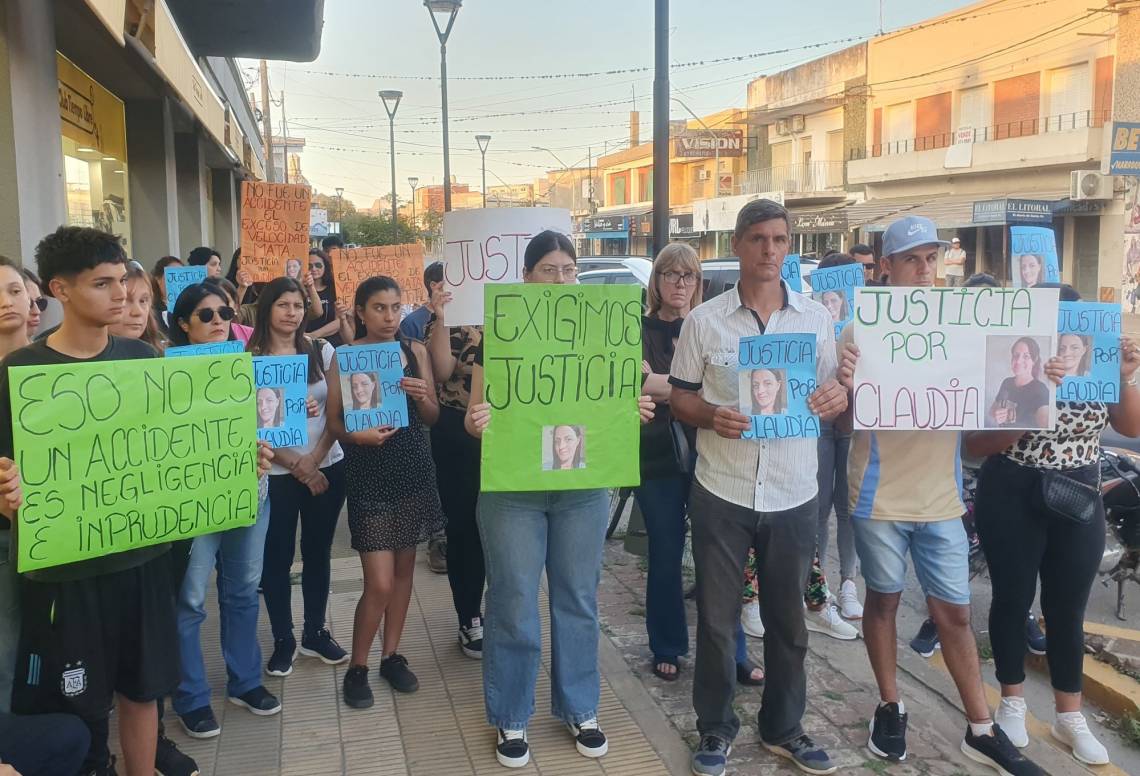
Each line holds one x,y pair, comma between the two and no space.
404,263
274,229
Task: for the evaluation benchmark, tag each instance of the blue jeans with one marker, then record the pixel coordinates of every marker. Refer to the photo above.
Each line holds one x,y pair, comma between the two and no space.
939,549
237,554
9,622
832,480
563,531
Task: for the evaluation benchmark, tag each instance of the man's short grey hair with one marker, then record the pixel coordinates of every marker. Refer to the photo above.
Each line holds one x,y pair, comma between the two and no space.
757,211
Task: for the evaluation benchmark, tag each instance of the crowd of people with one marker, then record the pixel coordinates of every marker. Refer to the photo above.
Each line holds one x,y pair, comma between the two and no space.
124,630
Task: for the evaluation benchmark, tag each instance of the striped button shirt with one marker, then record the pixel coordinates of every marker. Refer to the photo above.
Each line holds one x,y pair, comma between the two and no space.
765,475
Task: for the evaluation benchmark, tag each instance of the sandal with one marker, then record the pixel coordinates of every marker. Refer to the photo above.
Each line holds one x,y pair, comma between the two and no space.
744,674
662,675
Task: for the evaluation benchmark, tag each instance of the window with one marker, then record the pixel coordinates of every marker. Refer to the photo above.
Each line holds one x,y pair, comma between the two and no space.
834,175
619,189
1069,98
782,154
645,184
900,127
974,107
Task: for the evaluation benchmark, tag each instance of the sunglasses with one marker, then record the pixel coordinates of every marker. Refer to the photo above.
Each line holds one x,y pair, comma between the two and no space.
207,315
41,303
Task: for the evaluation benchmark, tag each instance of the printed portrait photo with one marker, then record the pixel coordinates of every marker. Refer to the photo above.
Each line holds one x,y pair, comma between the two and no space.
1028,269
836,304
360,390
293,268
270,407
1075,352
563,447
1017,394
763,392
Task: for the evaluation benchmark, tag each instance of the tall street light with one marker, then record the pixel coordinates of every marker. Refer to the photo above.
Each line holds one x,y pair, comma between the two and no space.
444,11
660,125
484,141
391,99
339,205
564,167
413,181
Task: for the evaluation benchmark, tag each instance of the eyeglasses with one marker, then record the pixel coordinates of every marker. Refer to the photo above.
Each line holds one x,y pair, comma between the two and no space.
207,315
548,271
679,278
41,303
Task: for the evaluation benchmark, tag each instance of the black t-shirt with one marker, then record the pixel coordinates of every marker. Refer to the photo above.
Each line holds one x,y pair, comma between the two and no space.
326,316
38,353
1026,398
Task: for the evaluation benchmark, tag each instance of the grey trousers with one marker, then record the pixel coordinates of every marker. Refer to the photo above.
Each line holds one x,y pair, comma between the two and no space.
784,542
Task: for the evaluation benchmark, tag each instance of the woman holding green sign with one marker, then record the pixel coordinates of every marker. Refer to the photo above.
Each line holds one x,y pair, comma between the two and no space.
523,532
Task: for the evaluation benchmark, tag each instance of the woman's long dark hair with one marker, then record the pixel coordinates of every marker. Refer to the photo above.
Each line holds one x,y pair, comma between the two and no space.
159,271
576,462
1034,353
190,298
259,341
327,277
364,292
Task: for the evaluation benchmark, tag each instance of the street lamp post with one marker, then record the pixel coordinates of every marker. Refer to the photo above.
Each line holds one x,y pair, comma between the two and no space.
413,181
484,141
393,97
339,206
564,167
446,11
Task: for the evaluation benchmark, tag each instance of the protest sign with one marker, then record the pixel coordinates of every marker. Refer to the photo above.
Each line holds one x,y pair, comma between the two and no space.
370,386
282,384
954,358
115,455
274,229
790,272
487,246
177,279
1088,344
206,349
1033,256
402,263
834,288
777,374
562,373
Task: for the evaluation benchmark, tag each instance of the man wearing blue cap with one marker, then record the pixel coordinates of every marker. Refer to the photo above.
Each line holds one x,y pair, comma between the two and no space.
905,494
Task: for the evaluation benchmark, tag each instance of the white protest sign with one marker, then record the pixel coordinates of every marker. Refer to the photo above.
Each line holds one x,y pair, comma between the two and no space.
487,246
954,359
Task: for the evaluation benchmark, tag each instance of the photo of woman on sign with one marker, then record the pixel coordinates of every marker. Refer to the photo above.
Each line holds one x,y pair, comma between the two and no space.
836,304
293,268
364,388
1031,270
1075,352
1022,400
567,447
767,390
270,413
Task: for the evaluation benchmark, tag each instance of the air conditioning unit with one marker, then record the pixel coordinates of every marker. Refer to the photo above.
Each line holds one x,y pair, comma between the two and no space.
703,175
798,122
783,126
1089,184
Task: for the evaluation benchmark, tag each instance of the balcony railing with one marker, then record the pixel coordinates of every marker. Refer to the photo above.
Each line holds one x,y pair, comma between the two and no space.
1065,122
793,178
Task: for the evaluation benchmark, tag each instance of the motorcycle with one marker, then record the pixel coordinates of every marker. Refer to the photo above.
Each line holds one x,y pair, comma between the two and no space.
1120,490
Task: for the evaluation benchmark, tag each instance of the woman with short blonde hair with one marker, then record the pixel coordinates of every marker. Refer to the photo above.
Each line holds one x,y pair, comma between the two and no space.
677,258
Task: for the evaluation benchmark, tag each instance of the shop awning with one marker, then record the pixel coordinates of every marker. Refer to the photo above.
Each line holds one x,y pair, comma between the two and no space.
113,14
872,210
952,212
258,29
178,67
821,219
624,210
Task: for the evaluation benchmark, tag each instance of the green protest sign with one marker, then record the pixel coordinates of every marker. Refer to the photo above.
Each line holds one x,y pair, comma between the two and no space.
562,373
116,455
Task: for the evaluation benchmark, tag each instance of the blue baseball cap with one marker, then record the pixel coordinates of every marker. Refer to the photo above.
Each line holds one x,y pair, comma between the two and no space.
910,232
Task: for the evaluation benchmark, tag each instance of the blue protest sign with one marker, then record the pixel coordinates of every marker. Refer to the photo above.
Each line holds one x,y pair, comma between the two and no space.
834,288
1088,344
206,349
177,278
777,374
790,272
282,384
1033,256
370,386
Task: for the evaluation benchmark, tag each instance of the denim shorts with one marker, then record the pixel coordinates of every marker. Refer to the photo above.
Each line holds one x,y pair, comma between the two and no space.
940,551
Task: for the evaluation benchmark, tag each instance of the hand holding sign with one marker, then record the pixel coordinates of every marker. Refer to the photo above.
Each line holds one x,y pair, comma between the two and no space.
11,495
730,423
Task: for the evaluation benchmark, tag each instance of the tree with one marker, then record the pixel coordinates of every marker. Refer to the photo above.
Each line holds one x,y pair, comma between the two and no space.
364,229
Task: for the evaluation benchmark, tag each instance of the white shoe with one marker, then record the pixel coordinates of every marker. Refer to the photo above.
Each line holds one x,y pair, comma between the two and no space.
750,620
1010,717
828,622
1072,730
849,605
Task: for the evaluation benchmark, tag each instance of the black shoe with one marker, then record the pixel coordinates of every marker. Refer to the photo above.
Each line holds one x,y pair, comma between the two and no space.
284,653
927,639
1034,638
199,723
395,669
357,693
589,739
259,701
888,733
999,753
169,761
512,750
321,644
471,639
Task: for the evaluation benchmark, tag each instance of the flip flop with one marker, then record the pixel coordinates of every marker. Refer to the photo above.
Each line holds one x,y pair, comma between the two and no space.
744,674
666,677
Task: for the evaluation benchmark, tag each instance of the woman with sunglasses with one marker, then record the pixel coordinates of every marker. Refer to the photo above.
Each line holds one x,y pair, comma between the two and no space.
241,331
305,481
202,315
38,303
329,319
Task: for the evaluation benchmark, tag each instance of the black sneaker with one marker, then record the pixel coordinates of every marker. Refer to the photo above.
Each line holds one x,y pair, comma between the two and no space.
259,701
589,739
805,754
512,750
357,693
200,723
927,639
711,757
395,669
471,639
888,733
1034,638
169,761
321,644
284,653
999,753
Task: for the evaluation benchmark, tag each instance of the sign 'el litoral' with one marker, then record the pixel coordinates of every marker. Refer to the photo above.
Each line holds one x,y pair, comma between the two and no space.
274,229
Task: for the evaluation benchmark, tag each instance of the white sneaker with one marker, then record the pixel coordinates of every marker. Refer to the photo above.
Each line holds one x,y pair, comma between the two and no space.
1010,717
750,620
828,622
1072,730
849,605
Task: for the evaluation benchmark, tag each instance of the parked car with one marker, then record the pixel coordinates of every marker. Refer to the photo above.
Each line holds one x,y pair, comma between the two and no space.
591,263
718,275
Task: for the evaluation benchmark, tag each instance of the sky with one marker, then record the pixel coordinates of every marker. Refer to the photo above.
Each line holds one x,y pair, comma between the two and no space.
369,45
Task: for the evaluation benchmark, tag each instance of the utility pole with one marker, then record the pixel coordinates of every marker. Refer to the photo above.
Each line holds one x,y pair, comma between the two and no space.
266,122
284,140
661,128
